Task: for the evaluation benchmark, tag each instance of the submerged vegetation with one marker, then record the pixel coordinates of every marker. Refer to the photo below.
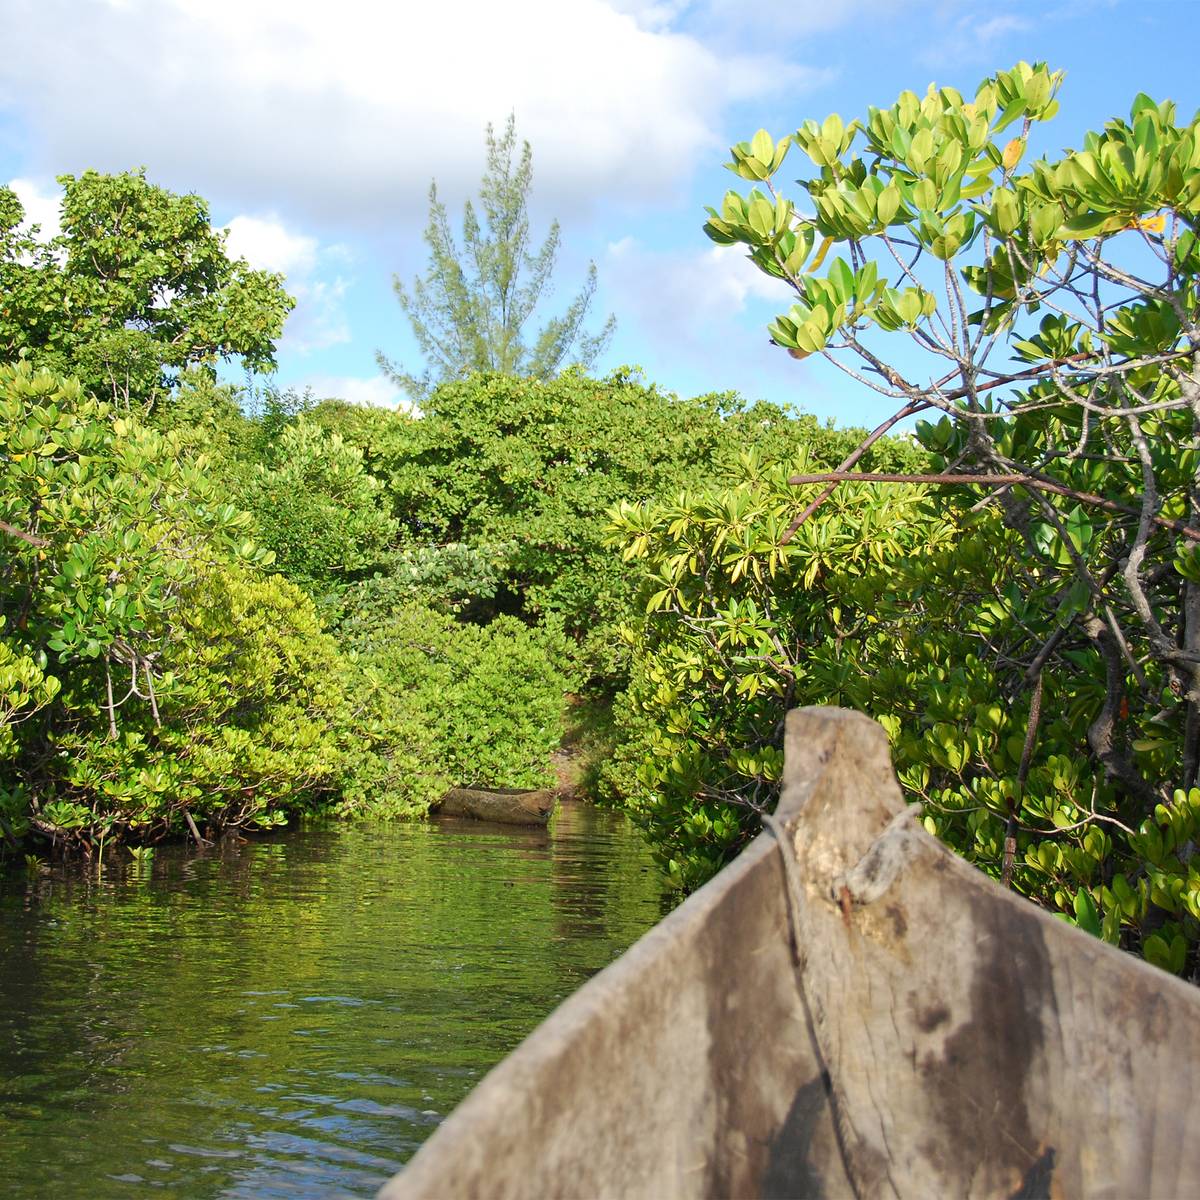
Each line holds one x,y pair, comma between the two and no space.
219,614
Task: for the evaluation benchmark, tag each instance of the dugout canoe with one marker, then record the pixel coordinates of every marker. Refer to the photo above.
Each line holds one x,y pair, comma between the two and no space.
850,1010
509,806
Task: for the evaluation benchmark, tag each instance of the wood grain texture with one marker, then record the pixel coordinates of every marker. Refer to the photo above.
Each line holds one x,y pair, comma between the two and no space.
928,1034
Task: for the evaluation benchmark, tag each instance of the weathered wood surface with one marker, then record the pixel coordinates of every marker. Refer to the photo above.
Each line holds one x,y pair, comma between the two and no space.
509,806
935,1036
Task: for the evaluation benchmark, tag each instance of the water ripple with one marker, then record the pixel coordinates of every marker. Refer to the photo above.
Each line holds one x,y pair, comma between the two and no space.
290,1016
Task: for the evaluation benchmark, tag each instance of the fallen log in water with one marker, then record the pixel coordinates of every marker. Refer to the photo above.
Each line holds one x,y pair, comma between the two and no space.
510,806
851,1011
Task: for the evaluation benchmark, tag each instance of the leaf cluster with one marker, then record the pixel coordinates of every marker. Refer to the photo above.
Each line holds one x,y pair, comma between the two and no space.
135,289
1033,650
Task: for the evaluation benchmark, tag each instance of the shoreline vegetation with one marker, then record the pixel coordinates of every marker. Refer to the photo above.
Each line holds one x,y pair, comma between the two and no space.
226,608
245,617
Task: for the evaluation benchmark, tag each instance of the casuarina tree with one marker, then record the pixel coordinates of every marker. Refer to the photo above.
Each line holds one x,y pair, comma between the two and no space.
470,310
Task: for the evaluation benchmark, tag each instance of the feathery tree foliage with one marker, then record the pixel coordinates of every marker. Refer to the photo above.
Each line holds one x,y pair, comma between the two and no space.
469,311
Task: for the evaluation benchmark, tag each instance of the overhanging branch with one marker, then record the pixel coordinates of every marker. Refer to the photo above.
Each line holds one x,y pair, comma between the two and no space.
833,478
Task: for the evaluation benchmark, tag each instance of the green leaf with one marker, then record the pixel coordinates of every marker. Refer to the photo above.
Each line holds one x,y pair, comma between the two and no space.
1086,916
842,279
762,146
1086,225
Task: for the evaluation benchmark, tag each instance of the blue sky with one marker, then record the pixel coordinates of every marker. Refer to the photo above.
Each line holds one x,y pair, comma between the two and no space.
314,129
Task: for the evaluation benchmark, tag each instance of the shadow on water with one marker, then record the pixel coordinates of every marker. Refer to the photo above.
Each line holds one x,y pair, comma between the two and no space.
290,1016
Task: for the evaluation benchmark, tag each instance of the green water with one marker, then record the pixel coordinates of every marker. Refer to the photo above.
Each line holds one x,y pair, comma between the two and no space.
294,1016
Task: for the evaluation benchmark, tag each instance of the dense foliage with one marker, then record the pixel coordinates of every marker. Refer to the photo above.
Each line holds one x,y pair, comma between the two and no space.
317,509
490,696
159,679
219,613
222,609
1028,631
129,583
135,288
503,486
739,629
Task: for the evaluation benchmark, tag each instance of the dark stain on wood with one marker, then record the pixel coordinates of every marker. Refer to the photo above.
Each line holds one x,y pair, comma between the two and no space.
979,1083
931,1018
789,1171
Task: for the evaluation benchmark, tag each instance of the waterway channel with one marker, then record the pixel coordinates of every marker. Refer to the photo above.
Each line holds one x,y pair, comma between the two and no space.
290,1016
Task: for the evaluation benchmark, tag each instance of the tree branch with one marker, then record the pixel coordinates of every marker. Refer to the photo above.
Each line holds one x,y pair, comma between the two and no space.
833,478
32,539
914,406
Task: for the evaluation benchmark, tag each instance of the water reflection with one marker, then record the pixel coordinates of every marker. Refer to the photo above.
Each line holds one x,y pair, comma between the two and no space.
293,1016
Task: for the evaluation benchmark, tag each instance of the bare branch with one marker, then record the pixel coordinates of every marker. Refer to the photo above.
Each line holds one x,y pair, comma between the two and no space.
833,478
32,539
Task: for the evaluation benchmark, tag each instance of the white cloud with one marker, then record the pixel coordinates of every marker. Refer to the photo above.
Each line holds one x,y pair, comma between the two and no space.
41,206
996,27
375,392
797,18
348,110
265,243
971,37
319,319
708,309
690,289
652,14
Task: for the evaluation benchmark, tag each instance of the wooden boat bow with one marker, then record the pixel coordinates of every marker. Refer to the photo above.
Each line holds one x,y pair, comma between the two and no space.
889,1023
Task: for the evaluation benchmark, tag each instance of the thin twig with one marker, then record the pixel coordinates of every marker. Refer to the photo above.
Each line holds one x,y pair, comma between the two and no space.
913,406
32,539
833,478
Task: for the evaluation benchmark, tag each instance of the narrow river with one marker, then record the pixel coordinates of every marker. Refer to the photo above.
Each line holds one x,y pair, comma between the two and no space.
291,1016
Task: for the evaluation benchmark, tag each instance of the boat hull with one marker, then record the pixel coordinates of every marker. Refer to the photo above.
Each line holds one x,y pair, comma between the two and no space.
888,1023
508,806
